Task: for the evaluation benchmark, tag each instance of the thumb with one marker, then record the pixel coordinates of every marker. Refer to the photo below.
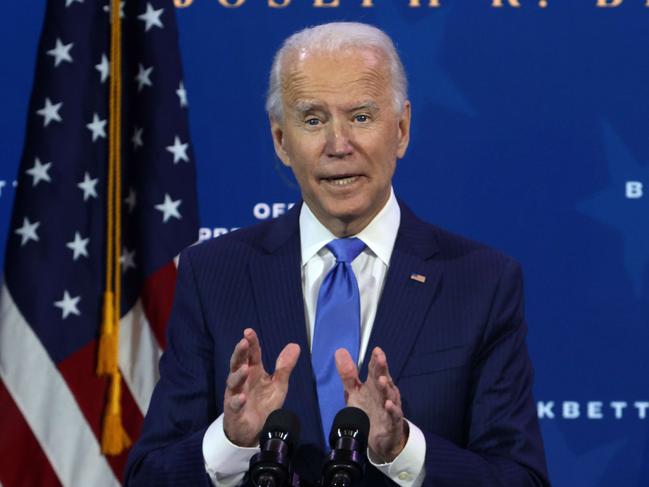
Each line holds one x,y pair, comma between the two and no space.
347,370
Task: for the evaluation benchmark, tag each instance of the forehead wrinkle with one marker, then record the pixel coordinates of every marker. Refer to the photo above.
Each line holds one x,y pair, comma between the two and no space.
293,84
303,95
375,80
299,87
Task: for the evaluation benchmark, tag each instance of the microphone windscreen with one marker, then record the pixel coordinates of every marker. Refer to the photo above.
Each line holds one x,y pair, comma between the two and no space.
281,421
354,419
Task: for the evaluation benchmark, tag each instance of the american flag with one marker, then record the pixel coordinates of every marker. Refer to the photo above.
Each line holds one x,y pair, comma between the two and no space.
51,400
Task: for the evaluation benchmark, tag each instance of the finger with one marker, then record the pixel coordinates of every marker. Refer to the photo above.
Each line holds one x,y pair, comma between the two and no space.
236,402
378,365
347,370
394,411
240,354
373,371
237,379
388,390
255,347
285,363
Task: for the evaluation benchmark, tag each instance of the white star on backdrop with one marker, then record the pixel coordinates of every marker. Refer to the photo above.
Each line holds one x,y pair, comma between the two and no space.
103,67
142,77
61,52
130,200
97,127
179,150
39,172
50,112
70,2
151,17
28,231
169,208
79,246
88,186
68,305
137,137
182,94
127,259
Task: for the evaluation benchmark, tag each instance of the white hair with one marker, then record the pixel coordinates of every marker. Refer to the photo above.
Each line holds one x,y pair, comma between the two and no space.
330,38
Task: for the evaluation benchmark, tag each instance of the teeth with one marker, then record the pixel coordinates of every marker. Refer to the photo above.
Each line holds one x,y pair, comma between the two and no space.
344,181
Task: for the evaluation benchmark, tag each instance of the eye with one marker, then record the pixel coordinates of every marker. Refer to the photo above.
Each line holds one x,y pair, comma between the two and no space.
312,122
361,118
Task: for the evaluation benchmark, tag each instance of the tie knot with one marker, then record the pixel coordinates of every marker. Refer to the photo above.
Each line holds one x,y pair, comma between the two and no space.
346,249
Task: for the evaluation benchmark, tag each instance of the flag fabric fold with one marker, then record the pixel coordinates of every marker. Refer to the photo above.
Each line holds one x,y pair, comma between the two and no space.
52,402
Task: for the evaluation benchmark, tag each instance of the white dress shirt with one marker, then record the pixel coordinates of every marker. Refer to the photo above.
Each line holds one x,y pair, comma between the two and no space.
227,463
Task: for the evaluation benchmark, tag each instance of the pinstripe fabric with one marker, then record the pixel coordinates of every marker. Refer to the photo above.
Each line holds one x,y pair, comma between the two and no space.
455,345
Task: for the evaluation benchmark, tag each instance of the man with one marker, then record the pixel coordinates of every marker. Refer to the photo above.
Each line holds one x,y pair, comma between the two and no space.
349,279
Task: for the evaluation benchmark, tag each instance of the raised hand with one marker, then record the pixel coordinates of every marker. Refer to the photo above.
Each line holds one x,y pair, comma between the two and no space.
251,394
380,399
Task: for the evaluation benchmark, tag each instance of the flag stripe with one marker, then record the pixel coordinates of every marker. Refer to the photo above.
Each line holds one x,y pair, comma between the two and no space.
139,354
90,392
47,404
22,461
157,298
88,389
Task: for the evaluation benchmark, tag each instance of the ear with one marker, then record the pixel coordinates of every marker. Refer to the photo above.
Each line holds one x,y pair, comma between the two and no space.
277,131
404,130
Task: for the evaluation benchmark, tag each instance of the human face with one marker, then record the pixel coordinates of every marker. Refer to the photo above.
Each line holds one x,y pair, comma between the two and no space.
340,134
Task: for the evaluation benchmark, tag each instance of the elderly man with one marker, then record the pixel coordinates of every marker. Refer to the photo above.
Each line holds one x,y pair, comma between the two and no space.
349,280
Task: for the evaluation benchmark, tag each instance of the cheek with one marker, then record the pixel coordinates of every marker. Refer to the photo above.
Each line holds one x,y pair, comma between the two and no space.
384,156
304,163
305,148
381,142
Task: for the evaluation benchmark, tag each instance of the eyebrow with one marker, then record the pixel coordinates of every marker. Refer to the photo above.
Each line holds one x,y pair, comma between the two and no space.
307,106
366,105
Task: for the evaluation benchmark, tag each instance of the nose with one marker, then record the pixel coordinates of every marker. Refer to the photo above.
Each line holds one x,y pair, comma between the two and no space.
338,143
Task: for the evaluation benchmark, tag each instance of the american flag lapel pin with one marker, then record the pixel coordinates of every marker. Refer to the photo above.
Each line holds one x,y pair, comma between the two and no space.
418,278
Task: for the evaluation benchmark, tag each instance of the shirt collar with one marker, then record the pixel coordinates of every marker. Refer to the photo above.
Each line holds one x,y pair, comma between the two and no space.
379,235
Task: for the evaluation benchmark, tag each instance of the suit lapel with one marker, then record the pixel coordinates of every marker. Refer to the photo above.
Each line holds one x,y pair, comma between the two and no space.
277,283
405,301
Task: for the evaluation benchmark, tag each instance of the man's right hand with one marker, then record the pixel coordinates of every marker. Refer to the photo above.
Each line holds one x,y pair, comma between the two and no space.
251,394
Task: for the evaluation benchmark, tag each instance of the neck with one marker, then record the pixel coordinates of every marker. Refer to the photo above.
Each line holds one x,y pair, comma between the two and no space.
343,227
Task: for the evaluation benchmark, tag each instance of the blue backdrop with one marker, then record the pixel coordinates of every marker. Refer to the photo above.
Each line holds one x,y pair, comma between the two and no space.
530,133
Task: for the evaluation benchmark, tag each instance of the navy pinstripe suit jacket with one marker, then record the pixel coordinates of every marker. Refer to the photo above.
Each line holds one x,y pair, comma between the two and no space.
455,345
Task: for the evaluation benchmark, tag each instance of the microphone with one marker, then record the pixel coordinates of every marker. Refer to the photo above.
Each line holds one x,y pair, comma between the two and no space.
277,440
345,464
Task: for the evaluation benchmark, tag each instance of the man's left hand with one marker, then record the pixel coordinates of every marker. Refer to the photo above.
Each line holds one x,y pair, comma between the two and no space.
380,399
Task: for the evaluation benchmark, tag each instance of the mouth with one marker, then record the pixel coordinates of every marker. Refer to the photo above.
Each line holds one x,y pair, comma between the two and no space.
343,180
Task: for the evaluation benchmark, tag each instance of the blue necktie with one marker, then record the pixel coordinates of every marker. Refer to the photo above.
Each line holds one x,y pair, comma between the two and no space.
337,325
